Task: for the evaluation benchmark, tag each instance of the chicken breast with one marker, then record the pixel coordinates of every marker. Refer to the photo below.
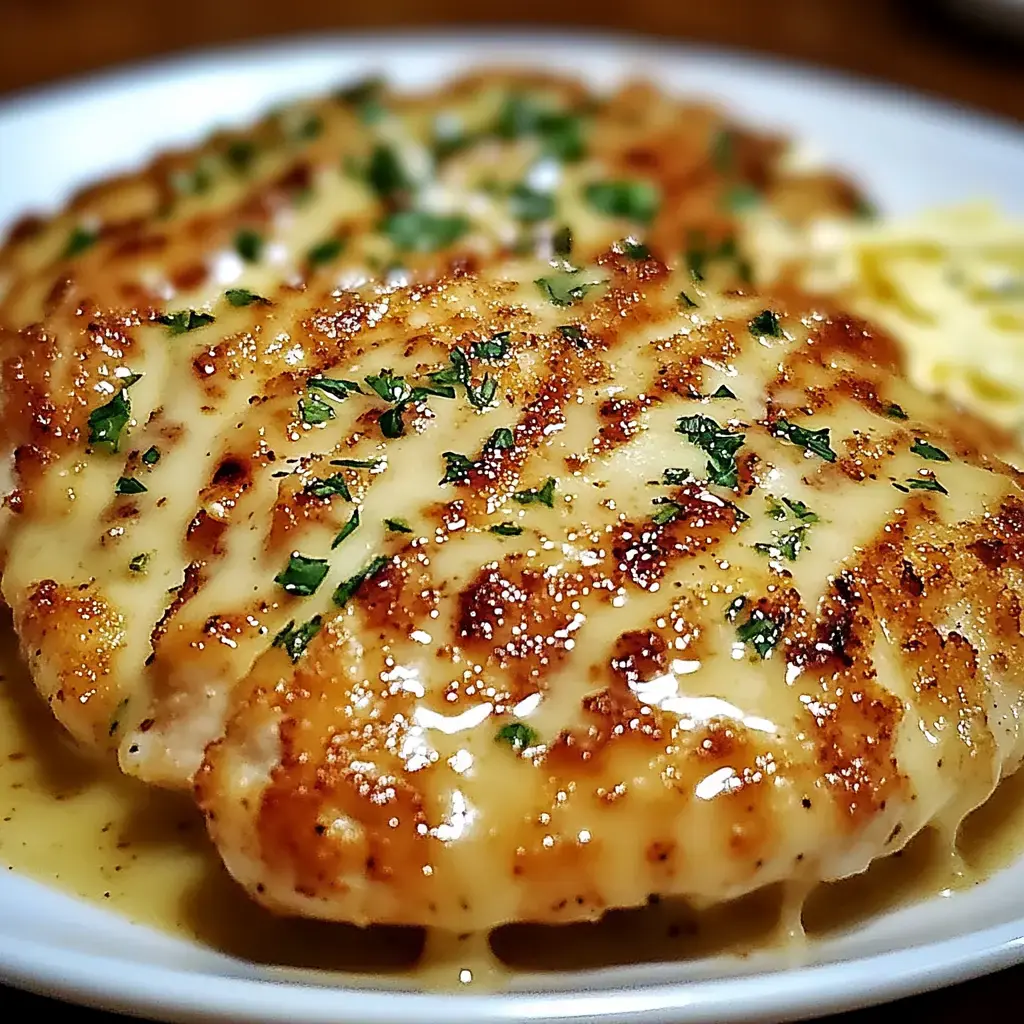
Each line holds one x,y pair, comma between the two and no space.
508,585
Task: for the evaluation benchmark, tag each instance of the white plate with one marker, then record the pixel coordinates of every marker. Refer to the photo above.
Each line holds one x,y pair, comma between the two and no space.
909,152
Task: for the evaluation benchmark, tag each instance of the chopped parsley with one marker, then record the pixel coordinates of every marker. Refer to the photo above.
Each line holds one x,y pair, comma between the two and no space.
139,563
324,252
529,205
243,297
560,134
328,487
814,441
302,575
364,97
459,372
786,545
633,200
722,392
686,301
151,456
761,631
398,526
561,241
350,587
733,609
385,172
506,530
79,240
421,231
894,411
741,197
718,443
359,463
543,496
338,389
566,287
920,484
667,513
347,530
129,485
518,735
389,387
501,438
294,639
675,477
496,348
399,393
790,506
313,410
239,155
573,334
185,320
107,421
634,250
249,245
765,324
457,467
700,255
928,451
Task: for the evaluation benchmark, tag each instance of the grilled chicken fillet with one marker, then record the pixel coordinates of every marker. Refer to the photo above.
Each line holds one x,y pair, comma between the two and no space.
467,584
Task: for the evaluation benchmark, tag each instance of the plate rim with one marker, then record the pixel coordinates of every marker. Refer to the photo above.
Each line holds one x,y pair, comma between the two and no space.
787,994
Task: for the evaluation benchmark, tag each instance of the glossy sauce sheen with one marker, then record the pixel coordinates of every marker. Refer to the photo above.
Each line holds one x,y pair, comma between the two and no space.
90,830
501,589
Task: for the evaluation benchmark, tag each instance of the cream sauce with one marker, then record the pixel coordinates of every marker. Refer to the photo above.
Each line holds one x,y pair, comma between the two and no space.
68,821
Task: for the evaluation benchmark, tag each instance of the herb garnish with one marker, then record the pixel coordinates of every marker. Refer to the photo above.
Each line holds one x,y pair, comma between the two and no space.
313,410
566,287
294,639
894,411
788,545
674,477
107,421
328,487
139,563
560,134
544,496
670,511
699,255
324,252
761,631
574,334
385,172
634,250
364,97
814,441
765,324
529,205
421,231
398,526
496,348
151,456
302,575
79,240
718,443
243,297
686,301
501,438
928,451
741,197
338,389
635,200
734,608
347,530
779,510
921,484
459,373
506,529
350,587
129,485
561,241
249,245
517,735
185,320
359,463
239,155
457,468
722,392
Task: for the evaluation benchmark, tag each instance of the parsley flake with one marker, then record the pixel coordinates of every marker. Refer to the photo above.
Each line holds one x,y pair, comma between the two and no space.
107,421
560,134
350,587
185,320
518,735
894,411
79,240
561,241
359,463
421,231
765,324
786,545
249,245
667,513
566,287
814,441
239,155
573,334
347,530
718,443
302,575
139,563
921,484
386,173
686,301
634,250
529,205
313,410
327,487
506,529
457,468
496,348
129,485
338,389
761,631
398,526
544,496
722,392
294,639
928,451
501,438
243,297
634,200
324,252
675,477
151,456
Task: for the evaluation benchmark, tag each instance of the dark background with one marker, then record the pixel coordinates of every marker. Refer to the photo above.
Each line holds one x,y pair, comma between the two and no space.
922,44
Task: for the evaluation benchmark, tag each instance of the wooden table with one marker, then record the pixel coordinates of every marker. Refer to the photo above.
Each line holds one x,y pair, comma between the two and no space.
913,43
